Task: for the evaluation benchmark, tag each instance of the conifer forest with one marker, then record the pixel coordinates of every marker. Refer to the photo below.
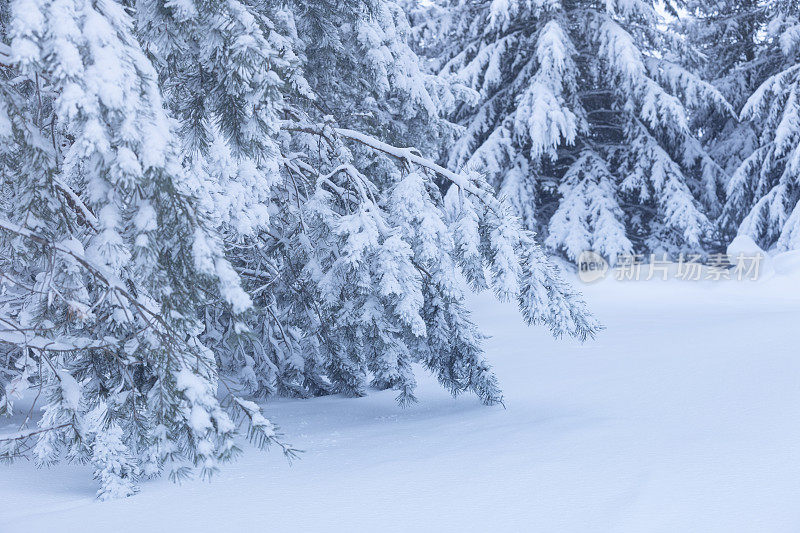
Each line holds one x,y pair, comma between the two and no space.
399,265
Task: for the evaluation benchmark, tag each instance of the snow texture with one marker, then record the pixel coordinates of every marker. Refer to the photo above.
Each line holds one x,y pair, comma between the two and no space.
681,416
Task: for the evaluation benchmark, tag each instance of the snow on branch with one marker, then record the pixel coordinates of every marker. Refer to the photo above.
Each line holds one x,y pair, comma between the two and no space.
62,344
149,315
410,155
519,268
87,214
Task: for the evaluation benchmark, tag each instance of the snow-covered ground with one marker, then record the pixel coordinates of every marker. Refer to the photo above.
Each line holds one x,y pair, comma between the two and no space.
683,415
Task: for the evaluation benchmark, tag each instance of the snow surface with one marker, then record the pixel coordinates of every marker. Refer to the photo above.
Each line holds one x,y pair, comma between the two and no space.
683,415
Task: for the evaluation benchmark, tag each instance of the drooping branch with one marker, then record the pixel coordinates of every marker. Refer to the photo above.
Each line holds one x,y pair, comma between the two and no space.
542,287
87,214
22,435
408,155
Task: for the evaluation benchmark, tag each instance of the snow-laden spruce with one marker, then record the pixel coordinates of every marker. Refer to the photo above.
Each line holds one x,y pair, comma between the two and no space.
200,209
580,114
726,33
763,194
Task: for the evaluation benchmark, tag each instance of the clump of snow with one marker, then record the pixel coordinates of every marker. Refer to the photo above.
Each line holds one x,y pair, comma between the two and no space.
70,390
745,246
787,263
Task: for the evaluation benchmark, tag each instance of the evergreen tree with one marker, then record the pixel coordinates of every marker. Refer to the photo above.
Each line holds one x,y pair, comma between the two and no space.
580,115
129,222
106,257
726,33
356,266
764,190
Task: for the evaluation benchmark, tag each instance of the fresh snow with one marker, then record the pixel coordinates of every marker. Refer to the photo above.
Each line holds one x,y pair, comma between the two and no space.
683,415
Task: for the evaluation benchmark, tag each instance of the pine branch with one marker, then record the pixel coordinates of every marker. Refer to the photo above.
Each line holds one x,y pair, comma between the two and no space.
407,155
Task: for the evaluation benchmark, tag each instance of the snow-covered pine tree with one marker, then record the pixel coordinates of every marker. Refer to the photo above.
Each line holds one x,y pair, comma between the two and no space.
764,190
581,117
106,258
726,33
277,167
363,275
346,267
